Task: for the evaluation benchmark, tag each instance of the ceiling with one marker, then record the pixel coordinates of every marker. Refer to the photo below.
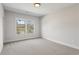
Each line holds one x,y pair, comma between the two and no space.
27,8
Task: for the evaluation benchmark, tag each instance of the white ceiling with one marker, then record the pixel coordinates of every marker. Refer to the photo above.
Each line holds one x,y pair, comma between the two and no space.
27,8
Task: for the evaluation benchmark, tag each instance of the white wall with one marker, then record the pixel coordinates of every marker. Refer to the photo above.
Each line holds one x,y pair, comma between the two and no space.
1,27
62,26
10,26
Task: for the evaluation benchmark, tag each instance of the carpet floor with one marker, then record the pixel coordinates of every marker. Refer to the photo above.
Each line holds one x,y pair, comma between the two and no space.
37,46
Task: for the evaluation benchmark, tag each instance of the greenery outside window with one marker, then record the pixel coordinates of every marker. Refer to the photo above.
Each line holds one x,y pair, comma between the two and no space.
24,26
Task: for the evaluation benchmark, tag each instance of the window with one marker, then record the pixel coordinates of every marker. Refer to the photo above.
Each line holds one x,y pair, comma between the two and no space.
30,28
20,26
24,26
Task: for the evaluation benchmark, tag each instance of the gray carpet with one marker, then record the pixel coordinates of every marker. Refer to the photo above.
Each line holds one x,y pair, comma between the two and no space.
37,47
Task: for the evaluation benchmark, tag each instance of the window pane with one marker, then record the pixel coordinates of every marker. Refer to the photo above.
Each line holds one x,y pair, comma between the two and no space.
30,28
20,26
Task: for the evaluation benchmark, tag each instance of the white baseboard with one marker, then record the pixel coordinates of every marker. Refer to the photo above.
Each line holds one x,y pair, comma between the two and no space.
63,43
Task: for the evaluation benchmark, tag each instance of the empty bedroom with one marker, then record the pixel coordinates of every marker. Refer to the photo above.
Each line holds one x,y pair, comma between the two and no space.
39,28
